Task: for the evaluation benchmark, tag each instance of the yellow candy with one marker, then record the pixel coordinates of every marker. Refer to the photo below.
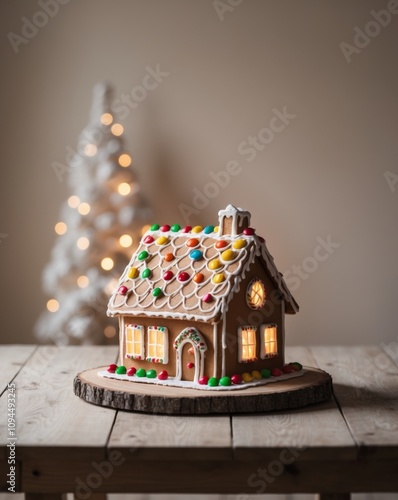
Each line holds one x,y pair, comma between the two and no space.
216,229
197,229
228,255
214,264
247,377
218,278
162,240
256,374
238,244
132,272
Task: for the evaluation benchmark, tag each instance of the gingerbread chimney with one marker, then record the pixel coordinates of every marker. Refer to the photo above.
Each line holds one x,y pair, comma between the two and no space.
232,221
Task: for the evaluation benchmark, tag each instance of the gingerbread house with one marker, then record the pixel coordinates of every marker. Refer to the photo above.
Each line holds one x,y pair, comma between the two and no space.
201,302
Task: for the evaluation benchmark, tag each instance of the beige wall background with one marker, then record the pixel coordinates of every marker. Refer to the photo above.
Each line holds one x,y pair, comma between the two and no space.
330,173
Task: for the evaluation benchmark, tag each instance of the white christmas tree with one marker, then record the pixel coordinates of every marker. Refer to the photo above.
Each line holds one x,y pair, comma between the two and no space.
100,224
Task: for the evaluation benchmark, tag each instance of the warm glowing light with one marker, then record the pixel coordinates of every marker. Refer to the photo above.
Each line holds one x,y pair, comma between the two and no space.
60,228
107,263
83,243
256,294
73,201
125,160
106,119
53,305
82,281
145,228
126,240
90,149
269,341
117,129
124,188
109,331
84,208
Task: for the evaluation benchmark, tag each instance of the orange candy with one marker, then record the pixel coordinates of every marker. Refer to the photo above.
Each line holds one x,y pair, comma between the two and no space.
192,242
168,257
221,244
198,278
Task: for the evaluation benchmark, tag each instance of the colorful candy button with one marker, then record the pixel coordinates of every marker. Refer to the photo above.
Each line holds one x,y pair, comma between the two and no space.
197,229
167,276
221,244
198,278
148,240
218,278
155,227
168,257
165,228
146,273
214,264
208,229
248,231
192,242
132,273
143,255
123,290
175,228
162,240
187,229
157,292
216,229
183,276
196,255
238,244
207,298
228,255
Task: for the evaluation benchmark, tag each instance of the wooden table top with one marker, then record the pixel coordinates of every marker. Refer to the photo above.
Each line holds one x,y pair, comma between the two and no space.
349,443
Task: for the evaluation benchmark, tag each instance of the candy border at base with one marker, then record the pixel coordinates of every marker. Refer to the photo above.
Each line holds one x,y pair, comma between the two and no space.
193,385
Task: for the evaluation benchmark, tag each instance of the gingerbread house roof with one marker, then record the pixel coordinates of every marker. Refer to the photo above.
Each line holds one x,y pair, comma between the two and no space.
193,273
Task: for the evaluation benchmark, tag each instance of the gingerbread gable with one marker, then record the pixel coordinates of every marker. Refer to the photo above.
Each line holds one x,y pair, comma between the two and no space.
193,273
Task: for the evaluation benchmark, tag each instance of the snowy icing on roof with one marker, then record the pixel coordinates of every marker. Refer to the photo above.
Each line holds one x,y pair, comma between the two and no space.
193,272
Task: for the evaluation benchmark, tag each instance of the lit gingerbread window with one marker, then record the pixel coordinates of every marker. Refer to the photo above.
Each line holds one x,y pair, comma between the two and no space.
269,346
134,341
247,344
158,344
256,294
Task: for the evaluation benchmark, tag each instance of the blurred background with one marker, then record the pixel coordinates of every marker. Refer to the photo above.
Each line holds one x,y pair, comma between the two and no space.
301,96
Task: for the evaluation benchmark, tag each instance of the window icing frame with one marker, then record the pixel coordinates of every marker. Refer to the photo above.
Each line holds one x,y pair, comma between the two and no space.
135,329
165,334
249,300
241,329
264,343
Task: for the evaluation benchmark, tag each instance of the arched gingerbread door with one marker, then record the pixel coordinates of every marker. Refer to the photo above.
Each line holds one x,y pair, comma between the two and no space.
190,344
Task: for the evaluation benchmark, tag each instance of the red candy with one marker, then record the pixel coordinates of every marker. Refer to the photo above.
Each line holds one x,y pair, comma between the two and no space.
276,372
249,231
163,375
186,229
123,290
148,239
131,371
203,380
165,228
168,275
112,368
207,298
287,369
183,276
236,379
190,365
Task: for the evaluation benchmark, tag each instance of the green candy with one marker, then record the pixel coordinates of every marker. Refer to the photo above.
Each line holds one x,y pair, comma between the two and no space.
155,227
157,292
146,273
121,370
175,228
213,382
151,373
225,381
265,373
141,372
143,255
